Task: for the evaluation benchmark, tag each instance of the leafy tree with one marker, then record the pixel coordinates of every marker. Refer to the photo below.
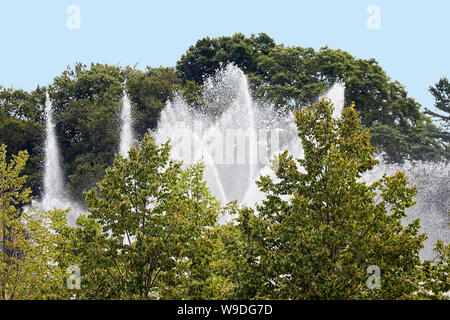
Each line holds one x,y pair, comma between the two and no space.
427,141
288,77
87,103
291,76
296,76
209,55
435,274
27,243
87,106
424,141
150,90
233,262
320,227
148,232
22,128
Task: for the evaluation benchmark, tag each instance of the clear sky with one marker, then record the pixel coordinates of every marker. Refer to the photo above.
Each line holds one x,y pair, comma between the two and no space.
412,44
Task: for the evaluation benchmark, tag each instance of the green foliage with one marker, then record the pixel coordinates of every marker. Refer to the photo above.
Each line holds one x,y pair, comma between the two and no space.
209,55
441,94
27,243
435,274
288,76
148,232
320,227
152,230
87,102
150,90
87,105
291,76
152,226
22,128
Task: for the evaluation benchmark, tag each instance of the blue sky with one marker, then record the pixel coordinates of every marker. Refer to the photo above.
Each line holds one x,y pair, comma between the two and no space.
36,45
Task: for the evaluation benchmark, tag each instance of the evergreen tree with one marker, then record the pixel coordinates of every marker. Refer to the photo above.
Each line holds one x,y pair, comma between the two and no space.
441,94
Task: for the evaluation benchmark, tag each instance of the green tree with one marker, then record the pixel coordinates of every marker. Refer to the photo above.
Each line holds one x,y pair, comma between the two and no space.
22,128
208,55
435,274
288,76
148,232
27,243
87,103
441,94
291,76
149,92
320,227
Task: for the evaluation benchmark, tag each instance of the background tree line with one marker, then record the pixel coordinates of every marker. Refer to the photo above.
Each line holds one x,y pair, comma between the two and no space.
87,102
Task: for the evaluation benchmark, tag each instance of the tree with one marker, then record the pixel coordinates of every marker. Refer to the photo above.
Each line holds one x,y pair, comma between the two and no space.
291,76
147,235
441,94
149,92
288,76
321,228
28,245
435,274
87,103
209,55
22,128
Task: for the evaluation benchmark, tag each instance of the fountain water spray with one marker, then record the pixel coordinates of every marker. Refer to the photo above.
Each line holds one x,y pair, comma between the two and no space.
337,95
231,119
286,121
126,134
53,178
54,196
234,135
432,181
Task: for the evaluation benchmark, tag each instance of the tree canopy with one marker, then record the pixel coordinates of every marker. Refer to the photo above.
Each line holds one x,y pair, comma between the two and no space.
28,243
152,229
151,226
292,76
320,230
22,128
87,102
441,94
147,234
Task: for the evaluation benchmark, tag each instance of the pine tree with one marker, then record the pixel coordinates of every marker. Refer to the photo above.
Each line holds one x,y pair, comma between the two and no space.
441,94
